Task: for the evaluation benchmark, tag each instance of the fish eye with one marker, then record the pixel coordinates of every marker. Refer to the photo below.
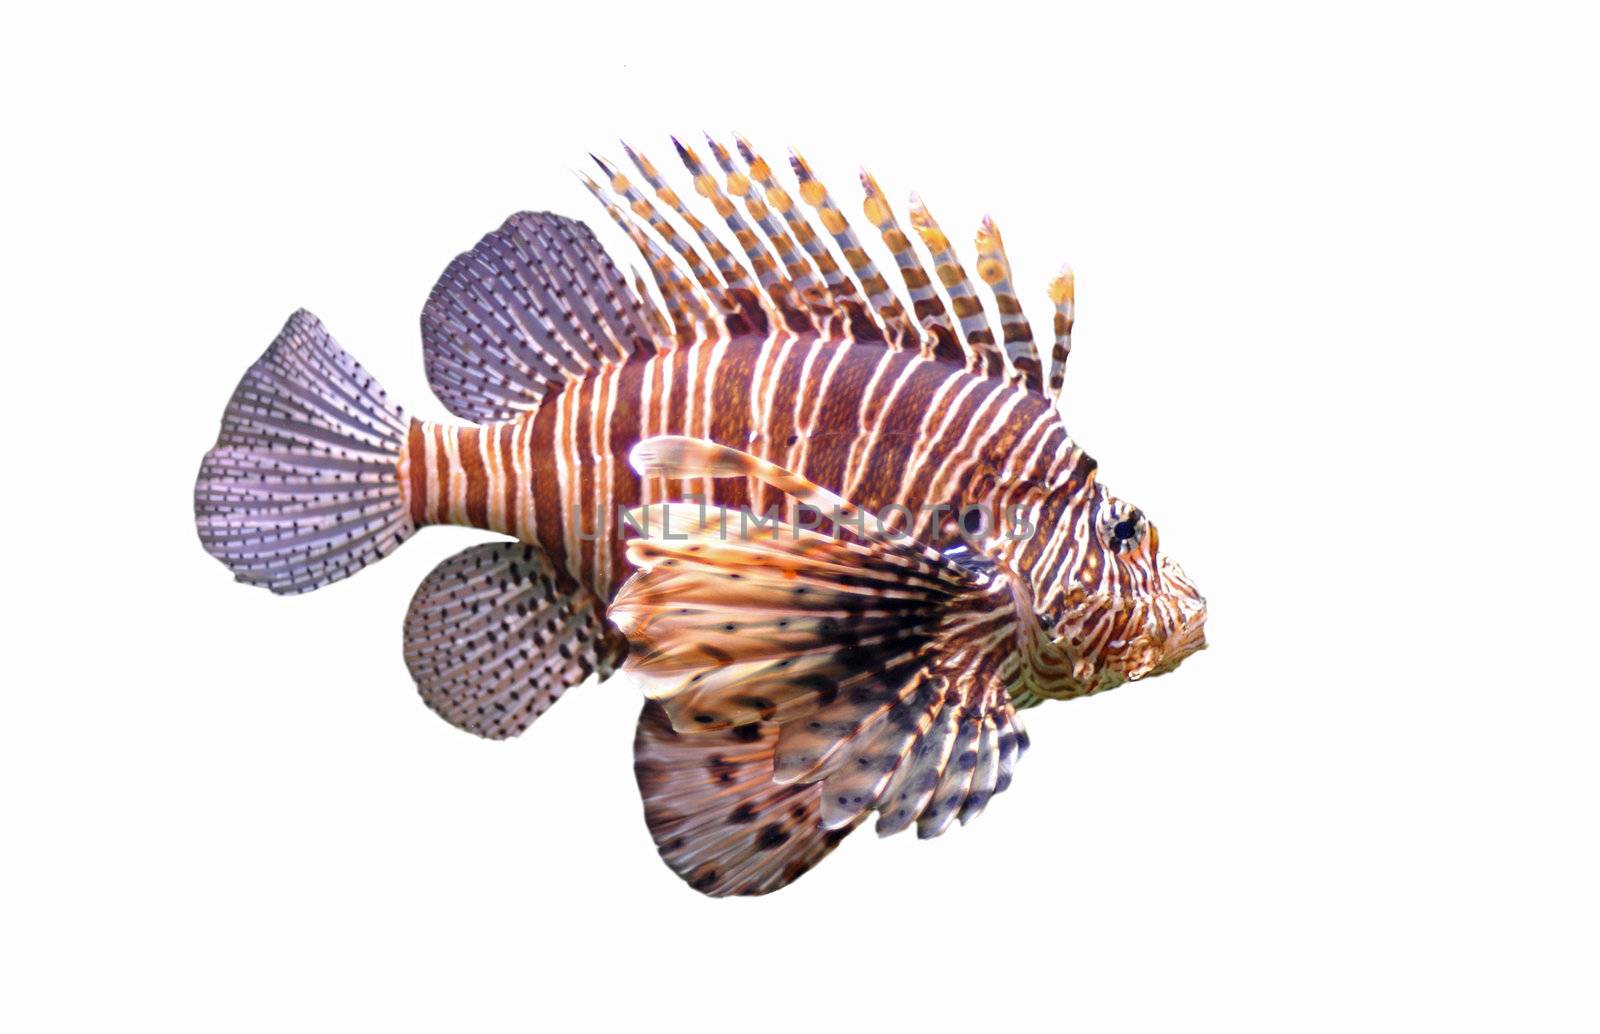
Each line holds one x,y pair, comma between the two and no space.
1121,527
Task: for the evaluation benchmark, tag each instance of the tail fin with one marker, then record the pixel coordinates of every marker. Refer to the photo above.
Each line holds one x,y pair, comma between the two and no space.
303,486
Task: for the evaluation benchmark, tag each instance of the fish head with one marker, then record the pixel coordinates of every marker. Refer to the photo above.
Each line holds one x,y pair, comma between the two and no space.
1122,609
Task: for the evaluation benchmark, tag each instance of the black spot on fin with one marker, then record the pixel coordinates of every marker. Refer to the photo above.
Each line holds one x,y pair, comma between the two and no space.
715,814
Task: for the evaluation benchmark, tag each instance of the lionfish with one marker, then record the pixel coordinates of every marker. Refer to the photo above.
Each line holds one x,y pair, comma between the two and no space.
931,553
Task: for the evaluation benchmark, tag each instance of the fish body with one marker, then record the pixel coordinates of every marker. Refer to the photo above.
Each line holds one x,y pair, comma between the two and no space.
885,428
837,539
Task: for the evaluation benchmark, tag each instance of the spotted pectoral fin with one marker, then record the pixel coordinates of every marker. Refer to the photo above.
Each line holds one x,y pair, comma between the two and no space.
492,640
732,627
877,671
936,755
717,817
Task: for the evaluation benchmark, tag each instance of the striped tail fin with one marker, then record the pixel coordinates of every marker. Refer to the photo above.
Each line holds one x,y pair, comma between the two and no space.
303,486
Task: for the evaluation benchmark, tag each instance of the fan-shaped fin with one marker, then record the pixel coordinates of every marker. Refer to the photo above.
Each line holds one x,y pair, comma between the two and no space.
303,486
493,640
955,779
877,683
536,304
733,626
985,773
816,747
864,766
912,785
1011,741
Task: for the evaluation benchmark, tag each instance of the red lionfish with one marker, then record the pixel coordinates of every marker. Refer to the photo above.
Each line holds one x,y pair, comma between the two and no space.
799,674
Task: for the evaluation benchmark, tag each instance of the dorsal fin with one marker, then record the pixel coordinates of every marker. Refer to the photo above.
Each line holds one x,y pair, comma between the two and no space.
732,315
839,285
761,260
789,272
657,320
801,274
535,304
939,336
739,285
843,294
879,293
687,310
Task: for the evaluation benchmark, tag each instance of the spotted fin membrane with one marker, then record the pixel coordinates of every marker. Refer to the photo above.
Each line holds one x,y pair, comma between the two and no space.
717,817
857,675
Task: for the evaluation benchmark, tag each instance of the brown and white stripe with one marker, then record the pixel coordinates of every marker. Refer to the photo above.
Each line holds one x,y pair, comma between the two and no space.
807,372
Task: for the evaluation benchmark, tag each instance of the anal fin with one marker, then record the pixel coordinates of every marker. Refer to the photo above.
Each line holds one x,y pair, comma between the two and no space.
492,640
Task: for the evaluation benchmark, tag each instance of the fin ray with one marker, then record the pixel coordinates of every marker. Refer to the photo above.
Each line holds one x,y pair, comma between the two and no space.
1063,295
900,330
994,269
984,358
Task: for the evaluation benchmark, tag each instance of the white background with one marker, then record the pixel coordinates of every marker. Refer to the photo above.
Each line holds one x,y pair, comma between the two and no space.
1336,280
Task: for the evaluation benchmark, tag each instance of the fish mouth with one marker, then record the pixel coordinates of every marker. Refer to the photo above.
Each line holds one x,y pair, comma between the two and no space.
1182,644
1158,658
1189,637
1147,654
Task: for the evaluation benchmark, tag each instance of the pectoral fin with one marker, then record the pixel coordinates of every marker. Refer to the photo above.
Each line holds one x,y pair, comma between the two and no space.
771,626
873,671
718,819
